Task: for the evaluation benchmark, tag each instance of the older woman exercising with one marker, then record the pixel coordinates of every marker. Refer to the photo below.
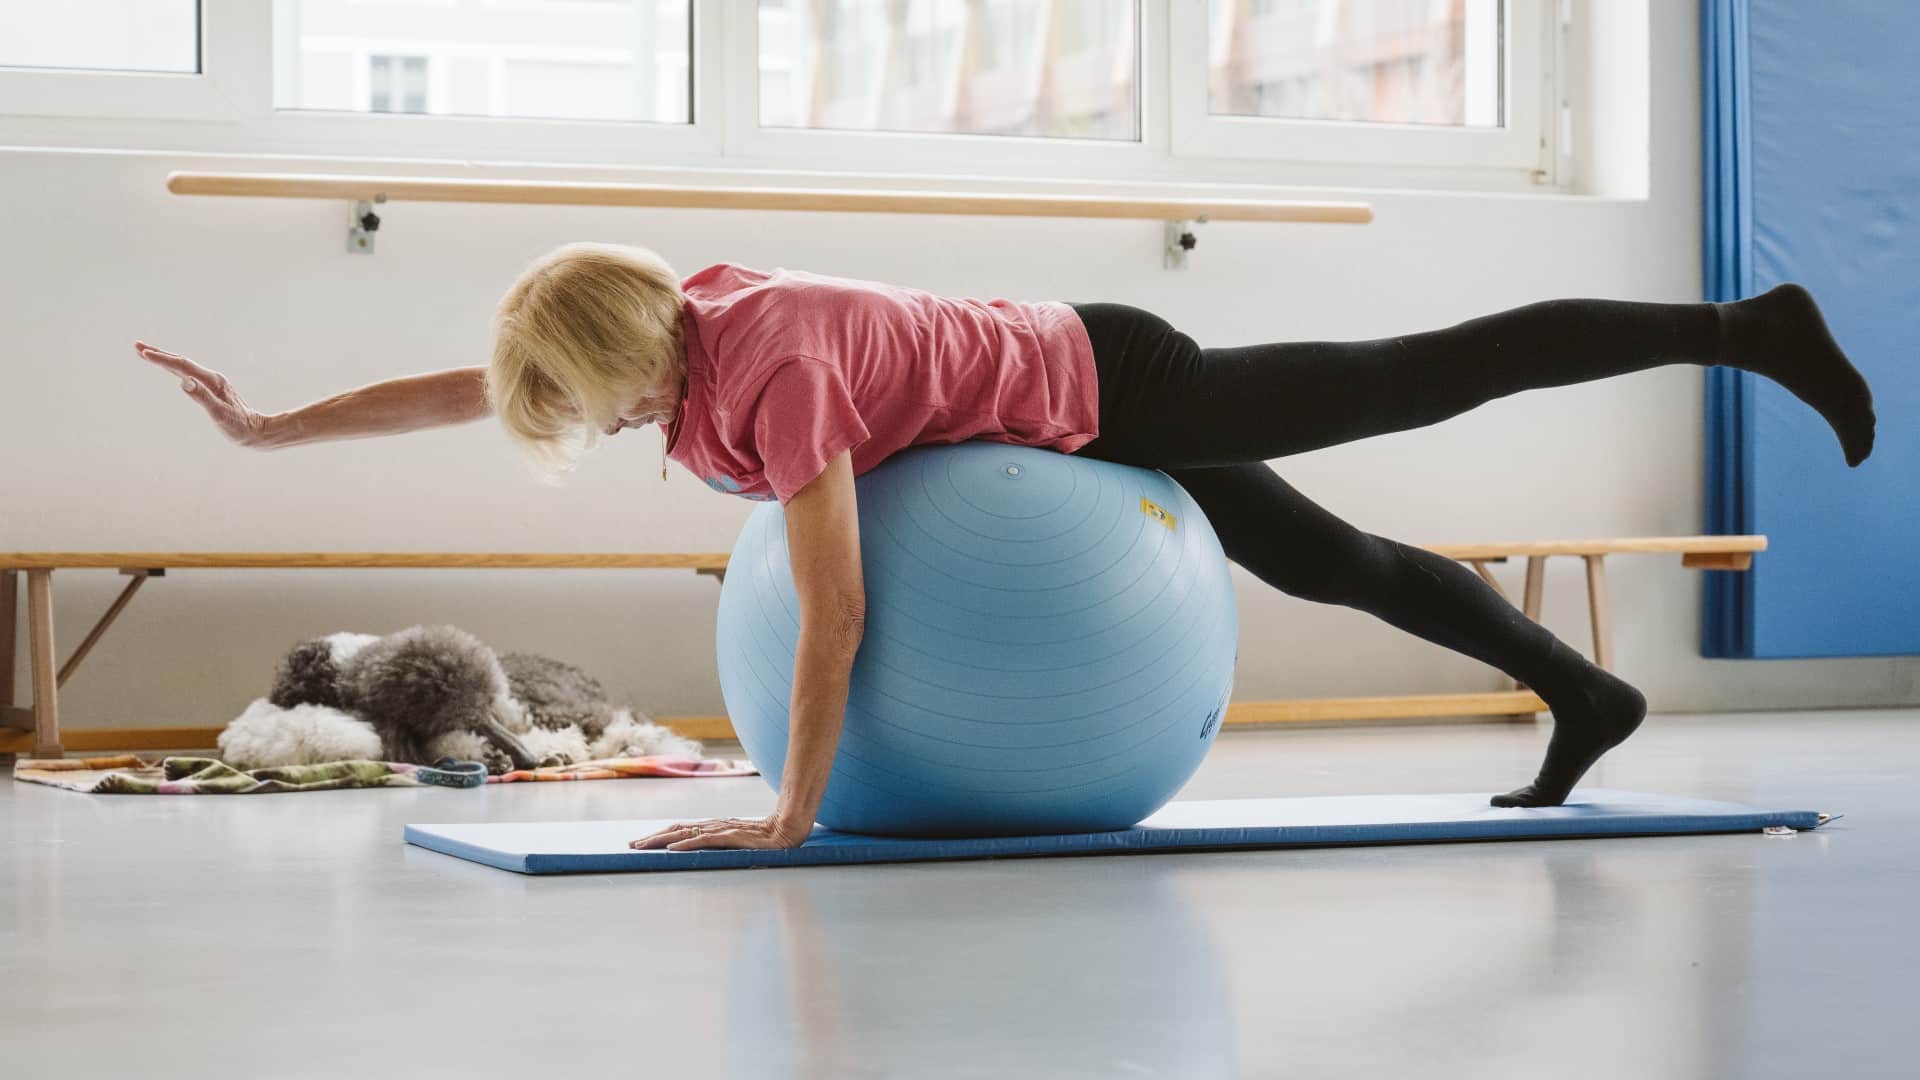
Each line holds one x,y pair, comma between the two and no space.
786,385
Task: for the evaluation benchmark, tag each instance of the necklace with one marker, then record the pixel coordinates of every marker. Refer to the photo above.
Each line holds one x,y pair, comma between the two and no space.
663,429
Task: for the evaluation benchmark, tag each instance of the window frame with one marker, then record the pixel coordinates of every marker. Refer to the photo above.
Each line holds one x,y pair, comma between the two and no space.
229,109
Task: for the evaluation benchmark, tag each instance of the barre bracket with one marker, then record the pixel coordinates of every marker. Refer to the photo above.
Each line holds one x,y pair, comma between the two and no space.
362,225
1180,240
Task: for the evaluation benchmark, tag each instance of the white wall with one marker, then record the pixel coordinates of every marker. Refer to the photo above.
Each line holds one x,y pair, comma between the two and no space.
102,452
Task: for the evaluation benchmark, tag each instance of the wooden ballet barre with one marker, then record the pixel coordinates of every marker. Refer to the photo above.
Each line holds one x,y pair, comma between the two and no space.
358,560
697,197
1178,215
38,728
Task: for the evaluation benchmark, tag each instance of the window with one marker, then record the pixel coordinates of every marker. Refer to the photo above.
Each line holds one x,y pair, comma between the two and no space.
106,35
1375,61
1059,68
1087,93
621,60
397,84
1460,85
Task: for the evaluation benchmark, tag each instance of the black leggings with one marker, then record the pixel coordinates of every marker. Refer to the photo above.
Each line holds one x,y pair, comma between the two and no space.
1212,417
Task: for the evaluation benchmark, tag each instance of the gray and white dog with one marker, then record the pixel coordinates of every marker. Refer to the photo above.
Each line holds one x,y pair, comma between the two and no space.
436,691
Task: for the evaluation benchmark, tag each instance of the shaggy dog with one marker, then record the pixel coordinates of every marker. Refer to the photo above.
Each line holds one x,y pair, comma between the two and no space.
432,692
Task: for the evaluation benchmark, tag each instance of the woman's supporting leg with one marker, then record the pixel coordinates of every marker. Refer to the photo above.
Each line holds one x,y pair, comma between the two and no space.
1293,544
1167,402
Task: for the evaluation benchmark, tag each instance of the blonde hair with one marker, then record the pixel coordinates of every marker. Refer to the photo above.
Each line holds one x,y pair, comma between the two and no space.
583,333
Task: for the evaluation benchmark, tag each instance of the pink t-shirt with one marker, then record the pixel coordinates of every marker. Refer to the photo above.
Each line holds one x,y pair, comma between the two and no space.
786,369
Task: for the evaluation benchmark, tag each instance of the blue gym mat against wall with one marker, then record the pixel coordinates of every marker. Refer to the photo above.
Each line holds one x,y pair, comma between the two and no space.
1812,169
559,847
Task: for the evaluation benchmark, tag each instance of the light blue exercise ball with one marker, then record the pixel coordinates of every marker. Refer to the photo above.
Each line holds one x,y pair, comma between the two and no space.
1049,645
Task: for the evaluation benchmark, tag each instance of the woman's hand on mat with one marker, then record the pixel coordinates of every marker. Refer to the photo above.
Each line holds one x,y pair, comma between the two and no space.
724,833
214,393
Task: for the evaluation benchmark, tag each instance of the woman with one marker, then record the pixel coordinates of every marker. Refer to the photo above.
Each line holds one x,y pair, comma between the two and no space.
785,385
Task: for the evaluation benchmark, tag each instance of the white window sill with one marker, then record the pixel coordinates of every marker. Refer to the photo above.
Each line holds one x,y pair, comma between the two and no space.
739,175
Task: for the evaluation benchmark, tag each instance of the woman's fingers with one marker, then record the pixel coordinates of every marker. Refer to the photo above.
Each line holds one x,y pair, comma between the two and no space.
214,393
192,376
174,362
664,837
159,353
719,833
725,838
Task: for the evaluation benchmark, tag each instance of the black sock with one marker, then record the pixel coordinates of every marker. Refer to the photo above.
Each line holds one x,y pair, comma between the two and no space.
1782,335
1593,712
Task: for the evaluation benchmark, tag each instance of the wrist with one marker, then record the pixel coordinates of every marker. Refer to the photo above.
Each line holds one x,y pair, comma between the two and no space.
789,827
273,431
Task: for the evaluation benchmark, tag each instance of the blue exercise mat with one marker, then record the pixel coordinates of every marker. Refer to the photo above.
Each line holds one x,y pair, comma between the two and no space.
560,847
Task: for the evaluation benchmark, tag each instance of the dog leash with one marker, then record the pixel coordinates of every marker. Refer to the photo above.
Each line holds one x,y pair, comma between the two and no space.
452,772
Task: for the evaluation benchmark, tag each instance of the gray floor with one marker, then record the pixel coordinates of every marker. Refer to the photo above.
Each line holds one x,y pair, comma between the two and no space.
295,935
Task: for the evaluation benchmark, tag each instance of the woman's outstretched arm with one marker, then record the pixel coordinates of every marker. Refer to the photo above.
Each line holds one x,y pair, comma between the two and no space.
390,407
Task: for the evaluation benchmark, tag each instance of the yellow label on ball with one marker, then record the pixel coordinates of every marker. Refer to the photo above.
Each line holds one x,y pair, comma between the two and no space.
1157,512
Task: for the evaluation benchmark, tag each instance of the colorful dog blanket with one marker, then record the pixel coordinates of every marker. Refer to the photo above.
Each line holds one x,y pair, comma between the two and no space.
131,775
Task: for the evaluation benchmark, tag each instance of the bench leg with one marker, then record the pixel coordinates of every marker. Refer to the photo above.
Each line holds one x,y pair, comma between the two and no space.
46,688
1530,599
1597,608
9,617
139,578
1536,585
1486,575
9,645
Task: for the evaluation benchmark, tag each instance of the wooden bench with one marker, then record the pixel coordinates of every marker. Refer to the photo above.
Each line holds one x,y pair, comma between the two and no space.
36,729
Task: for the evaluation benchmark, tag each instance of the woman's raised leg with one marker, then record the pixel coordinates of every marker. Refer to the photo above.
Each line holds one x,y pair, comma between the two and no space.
1293,544
1212,416
1167,402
